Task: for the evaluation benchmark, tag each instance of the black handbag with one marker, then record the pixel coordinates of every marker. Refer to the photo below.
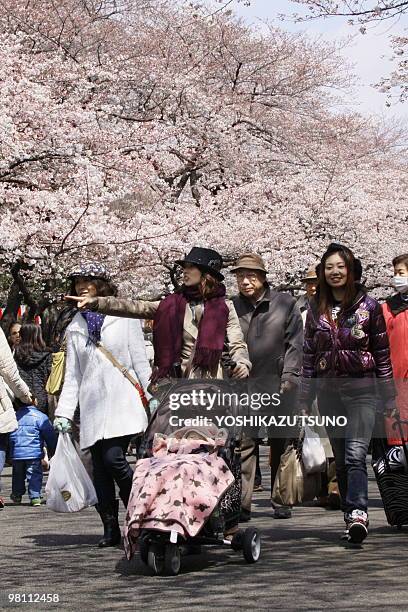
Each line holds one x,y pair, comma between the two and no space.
392,481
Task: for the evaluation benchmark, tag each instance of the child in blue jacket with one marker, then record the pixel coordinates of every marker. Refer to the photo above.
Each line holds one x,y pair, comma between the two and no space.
26,451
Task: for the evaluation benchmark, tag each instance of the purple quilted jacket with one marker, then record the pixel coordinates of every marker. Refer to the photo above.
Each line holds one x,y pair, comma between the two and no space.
356,347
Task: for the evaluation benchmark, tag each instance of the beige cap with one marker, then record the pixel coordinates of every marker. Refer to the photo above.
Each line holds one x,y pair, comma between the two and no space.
250,261
310,275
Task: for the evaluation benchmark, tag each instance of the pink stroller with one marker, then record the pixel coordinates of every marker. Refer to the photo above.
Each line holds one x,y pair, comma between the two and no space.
186,493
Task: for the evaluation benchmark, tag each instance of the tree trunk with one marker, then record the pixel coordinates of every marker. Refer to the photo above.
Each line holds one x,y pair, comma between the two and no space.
12,305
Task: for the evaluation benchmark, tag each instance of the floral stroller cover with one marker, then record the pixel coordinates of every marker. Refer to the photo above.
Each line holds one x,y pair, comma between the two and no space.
178,487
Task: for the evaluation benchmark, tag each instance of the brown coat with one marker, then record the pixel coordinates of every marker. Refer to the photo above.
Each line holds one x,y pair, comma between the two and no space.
143,309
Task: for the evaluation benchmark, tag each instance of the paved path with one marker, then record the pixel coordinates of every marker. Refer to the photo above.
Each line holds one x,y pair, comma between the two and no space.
304,566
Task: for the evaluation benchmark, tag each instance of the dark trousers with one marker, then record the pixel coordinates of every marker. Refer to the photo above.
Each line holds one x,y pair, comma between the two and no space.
258,473
30,470
110,467
350,443
3,449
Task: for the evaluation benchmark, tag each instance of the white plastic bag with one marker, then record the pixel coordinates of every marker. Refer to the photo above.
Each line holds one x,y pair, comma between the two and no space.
313,455
69,487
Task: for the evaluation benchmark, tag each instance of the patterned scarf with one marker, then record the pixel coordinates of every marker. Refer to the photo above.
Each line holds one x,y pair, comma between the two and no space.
168,330
94,321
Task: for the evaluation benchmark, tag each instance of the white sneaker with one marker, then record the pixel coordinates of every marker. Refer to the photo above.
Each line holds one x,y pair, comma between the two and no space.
357,527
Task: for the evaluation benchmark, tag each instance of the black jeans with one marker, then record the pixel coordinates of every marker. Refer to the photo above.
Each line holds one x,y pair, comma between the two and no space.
350,443
110,466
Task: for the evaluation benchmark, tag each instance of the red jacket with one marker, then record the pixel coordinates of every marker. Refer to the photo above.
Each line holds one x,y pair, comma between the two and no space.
396,319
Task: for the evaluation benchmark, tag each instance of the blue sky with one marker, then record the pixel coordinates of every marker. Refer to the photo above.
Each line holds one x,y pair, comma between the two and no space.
369,53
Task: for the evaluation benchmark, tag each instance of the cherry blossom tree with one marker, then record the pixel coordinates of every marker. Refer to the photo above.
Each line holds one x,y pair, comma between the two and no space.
364,14
133,130
359,11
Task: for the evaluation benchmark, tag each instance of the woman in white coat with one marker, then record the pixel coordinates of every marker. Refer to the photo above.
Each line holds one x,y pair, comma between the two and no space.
111,407
9,374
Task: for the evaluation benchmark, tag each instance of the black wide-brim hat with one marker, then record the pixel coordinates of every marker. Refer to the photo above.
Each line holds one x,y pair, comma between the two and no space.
206,260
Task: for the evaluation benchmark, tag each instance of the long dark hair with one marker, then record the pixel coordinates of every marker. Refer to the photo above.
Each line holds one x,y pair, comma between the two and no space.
324,294
31,340
208,285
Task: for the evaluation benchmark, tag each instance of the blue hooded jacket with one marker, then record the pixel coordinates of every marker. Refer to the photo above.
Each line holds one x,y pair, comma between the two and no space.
34,431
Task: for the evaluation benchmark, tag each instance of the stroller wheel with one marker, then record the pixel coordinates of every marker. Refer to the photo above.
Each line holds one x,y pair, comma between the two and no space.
155,559
251,545
172,559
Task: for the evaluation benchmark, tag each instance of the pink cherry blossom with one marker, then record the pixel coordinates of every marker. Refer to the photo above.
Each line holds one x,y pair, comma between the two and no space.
131,134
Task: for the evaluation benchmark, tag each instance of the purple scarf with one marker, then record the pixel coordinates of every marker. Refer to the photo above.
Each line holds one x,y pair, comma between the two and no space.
168,330
94,321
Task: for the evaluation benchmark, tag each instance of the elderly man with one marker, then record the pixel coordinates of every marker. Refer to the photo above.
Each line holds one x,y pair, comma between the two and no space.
273,330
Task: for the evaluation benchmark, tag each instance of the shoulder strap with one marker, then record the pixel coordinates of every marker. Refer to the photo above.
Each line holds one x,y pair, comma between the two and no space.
124,371
116,363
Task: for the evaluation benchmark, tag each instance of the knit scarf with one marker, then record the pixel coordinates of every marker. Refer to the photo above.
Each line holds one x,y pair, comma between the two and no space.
94,321
168,330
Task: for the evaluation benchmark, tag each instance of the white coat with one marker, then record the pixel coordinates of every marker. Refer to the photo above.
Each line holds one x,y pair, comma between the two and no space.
110,406
9,371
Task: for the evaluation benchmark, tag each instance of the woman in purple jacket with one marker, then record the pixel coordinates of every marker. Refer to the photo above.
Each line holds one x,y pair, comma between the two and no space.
346,364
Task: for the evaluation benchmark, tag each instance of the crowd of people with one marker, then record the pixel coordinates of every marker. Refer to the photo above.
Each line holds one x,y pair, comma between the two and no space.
296,347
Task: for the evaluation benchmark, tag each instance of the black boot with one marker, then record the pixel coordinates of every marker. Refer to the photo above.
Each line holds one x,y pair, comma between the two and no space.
111,529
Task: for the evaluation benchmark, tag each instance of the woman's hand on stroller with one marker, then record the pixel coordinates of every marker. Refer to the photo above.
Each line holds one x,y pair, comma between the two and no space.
240,371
